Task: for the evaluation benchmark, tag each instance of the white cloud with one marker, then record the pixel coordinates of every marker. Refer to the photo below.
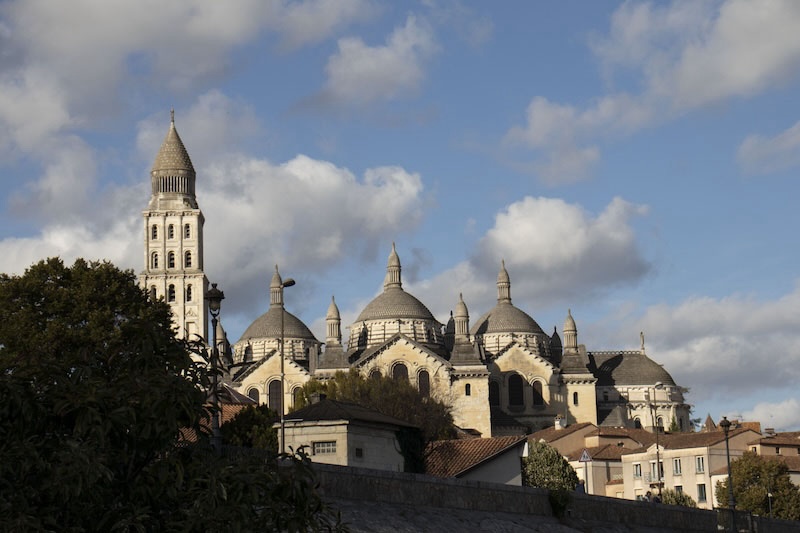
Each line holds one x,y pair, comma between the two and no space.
308,22
683,55
761,155
728,345
359,73
779,415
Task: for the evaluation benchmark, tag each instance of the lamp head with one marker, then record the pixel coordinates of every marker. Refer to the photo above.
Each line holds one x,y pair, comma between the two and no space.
214,297
725,424
288,282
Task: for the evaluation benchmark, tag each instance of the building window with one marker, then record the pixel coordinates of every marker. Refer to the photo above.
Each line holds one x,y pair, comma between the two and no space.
359,453
494,393
154,260
655,475
574,398
637,423
253,395
153,294
538,398
187,231
171,260
605,395
154,232
326,446
297,397
187,259
170,231
676,466
424,383
515,391
375,374
171,293
274,395
637,470
701,493
660,423
188,293
777,450
679,489
248,353
400,371
468,391
699,464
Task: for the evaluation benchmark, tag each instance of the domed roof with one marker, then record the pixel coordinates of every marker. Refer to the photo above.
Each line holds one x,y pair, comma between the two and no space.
461,308
628,368
268,326
505,318
172,158
333,310
394,302
569,322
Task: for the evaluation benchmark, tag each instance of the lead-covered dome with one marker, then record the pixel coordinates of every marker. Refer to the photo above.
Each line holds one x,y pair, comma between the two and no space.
268,325
394,303
504,317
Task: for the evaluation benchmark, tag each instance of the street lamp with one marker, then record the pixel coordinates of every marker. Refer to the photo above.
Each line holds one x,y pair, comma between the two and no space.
288,282
657,428
726,427
214,297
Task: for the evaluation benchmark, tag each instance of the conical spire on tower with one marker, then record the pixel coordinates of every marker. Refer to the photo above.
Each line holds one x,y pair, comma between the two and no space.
393,269
276,289
173,175
570,333
334,324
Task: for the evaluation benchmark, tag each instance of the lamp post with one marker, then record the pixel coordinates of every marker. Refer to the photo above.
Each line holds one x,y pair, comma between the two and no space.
726,427
214,297
657,428
288,282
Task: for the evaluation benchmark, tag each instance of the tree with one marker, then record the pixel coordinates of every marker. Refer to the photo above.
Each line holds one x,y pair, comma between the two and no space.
546,468
673,497
94,392
392,397
252,428
754,476
397,398
673,426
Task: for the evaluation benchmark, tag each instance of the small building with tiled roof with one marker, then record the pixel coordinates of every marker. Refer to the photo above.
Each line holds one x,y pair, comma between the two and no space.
346,434
781,444
495,459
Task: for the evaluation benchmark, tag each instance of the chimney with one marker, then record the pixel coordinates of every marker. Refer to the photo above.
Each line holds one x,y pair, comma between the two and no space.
316,397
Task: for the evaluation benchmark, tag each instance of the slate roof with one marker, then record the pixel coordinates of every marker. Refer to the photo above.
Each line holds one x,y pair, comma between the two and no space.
268,326
394,302
790,438
627,368
454,458
336,410
506,318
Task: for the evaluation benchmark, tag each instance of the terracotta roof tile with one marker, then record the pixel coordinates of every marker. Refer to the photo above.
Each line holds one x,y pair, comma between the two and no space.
452,458
552,434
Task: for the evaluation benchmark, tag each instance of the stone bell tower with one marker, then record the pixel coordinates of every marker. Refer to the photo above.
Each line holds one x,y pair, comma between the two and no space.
173,238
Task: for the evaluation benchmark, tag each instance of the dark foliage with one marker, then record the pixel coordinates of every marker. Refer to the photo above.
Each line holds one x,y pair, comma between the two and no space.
754,477
252,428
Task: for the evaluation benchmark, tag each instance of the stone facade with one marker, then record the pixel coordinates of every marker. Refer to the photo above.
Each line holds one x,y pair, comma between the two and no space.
503,374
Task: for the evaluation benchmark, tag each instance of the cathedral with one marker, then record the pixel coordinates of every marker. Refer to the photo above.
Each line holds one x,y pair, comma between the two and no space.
501,373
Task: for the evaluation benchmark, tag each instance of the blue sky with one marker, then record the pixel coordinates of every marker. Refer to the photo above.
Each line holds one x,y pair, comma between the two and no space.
634,162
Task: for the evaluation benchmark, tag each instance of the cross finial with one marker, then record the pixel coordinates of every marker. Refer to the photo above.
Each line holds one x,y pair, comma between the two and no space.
172,115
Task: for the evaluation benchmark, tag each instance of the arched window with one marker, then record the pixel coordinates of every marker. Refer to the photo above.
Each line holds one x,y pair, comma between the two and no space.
637,423
170,231
297,396
187,259
275,396
187,231
494,393
253,395
171,260
171,293
400,371
515,391
538,397
375,374
154,232
574,398
660,423
188,293
424,383
153,294
248,354
467,390
154,260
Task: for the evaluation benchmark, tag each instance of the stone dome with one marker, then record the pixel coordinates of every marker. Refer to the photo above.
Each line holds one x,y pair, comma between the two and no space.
268,326
394,302
505,318
628,368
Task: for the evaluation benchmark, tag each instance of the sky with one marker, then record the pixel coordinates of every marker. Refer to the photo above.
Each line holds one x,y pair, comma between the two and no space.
634,162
